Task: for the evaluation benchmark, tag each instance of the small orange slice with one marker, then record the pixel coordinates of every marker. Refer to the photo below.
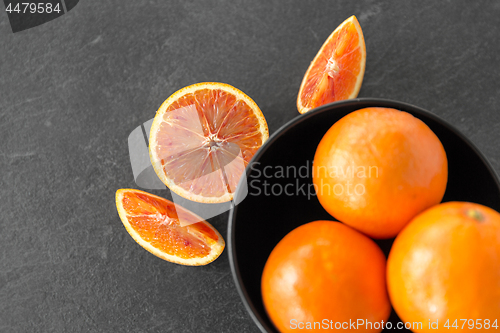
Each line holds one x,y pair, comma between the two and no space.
153,222
203,137
337,71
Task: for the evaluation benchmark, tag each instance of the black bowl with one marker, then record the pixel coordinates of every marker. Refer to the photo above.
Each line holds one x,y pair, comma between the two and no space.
262,219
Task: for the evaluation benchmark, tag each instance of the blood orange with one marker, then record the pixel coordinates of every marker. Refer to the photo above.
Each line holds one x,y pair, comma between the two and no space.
202,138
444,267
377,168
337,71
153,222
325,270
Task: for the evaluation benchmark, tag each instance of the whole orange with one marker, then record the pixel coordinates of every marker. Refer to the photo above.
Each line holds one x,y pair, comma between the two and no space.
325,272
376,168
444,267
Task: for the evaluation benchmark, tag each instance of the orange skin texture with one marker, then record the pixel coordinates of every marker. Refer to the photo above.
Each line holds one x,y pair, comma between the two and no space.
325,270
377,168
446,265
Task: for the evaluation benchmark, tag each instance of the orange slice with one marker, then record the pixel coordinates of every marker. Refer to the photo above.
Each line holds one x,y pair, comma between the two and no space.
153,222
203,137
337,71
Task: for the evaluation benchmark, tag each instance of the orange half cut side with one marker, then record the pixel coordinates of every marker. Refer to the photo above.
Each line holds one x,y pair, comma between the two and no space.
203,137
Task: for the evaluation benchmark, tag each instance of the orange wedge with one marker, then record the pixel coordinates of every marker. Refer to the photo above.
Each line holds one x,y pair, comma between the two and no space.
203,137
153,222
337,71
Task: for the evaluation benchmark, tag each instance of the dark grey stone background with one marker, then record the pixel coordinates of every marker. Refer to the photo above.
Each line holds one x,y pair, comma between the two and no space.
73,89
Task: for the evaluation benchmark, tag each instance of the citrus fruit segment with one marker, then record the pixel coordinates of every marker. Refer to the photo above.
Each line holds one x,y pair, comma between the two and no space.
377,168
153,222
325,269
444,266
203,137
337,71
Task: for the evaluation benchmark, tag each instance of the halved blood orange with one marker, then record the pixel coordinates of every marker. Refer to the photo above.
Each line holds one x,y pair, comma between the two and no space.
337,71
153,222
203,137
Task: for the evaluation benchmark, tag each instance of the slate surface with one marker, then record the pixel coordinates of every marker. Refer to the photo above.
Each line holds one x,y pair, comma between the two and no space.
73,89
